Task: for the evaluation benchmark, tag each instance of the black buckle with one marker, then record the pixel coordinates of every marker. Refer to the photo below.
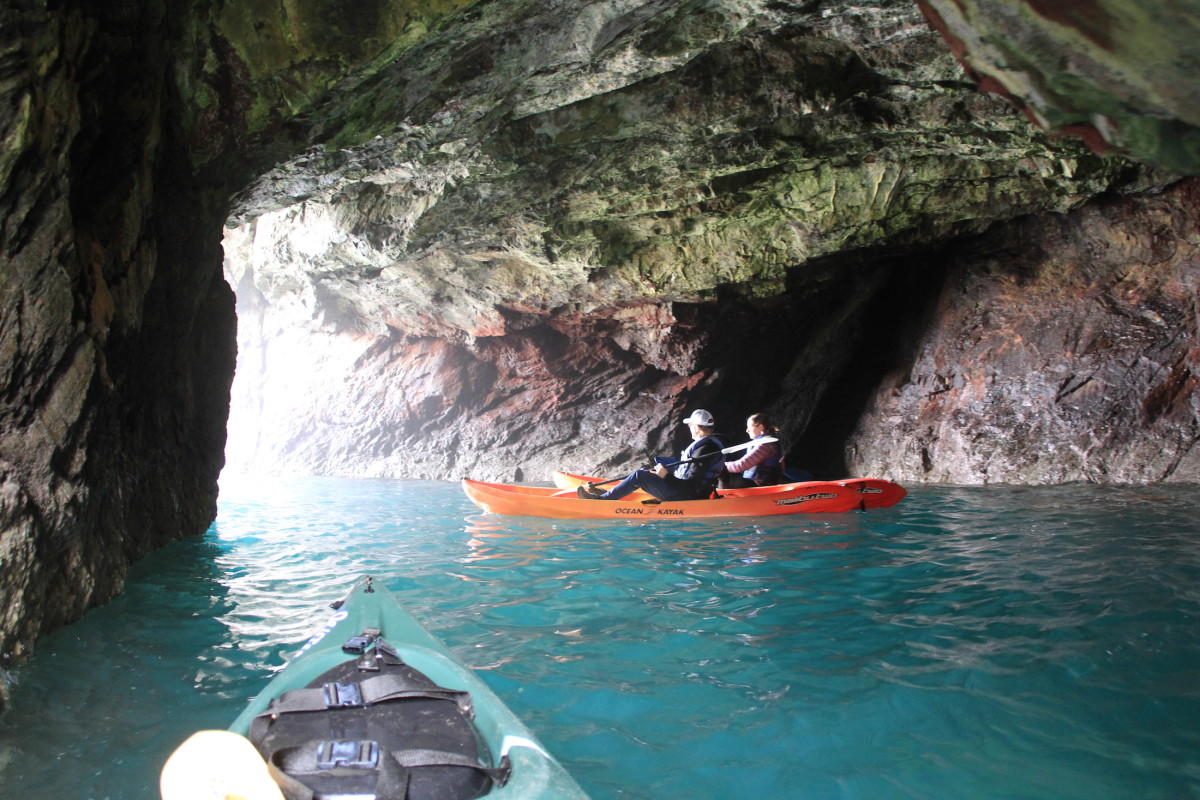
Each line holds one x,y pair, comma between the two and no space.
356,644
342,695
352,755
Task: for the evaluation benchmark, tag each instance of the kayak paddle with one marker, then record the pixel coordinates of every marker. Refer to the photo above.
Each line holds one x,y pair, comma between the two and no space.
734,449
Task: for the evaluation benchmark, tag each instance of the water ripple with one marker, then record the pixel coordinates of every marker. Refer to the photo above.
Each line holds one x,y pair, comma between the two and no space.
986,643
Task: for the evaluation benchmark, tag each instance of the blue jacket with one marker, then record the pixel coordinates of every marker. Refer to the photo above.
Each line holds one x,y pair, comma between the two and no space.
701,476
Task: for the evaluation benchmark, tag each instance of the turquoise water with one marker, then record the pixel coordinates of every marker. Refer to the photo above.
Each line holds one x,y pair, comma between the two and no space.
969,643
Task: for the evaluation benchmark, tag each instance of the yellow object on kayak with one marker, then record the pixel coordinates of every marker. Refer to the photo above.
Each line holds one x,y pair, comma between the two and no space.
217,765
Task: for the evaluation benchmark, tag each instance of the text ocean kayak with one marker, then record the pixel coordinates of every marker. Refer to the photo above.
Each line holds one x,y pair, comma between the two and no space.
374,706
790,498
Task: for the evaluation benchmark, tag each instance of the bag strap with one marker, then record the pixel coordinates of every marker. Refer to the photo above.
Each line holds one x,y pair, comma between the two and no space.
393,768
440,758
332,696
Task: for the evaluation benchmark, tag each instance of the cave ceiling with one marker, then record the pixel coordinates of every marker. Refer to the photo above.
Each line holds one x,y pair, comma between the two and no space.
489,163
596,172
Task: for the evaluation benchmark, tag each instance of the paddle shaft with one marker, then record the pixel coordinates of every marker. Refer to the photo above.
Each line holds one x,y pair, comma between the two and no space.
734,449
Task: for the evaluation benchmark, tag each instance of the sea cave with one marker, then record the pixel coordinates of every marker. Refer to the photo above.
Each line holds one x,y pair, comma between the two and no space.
941,242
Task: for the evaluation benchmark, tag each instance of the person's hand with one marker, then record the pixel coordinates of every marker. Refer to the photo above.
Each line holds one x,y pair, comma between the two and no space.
660,470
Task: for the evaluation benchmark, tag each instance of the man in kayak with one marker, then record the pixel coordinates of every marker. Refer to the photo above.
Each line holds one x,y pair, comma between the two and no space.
692,480
763,463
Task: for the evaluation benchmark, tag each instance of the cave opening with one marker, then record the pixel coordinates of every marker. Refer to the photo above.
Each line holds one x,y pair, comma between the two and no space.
881,352
814,356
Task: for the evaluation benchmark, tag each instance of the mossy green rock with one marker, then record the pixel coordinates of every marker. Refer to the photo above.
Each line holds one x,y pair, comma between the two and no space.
621,157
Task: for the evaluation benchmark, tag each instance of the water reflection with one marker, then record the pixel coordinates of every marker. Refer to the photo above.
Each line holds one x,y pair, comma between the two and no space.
968,643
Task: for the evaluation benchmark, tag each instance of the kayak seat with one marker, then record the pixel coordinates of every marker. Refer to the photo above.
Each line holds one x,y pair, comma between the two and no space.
374,728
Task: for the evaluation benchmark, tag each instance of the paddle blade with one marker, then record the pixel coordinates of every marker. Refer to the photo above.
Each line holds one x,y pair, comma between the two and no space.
749,444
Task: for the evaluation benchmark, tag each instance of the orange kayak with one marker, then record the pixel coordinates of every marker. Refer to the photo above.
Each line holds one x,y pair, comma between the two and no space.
789,498
568,480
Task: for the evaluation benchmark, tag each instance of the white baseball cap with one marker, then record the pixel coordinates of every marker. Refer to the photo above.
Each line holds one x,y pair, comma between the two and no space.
700,417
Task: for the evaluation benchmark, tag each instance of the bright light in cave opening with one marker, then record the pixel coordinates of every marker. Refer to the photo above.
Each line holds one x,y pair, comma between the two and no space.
282,363
296,403
259,407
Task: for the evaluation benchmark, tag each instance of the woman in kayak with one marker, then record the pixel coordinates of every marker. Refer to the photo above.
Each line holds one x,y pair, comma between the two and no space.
694,480
763,463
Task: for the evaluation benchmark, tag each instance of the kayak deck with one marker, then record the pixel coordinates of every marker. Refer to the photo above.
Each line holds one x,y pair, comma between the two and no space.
790,498
370,612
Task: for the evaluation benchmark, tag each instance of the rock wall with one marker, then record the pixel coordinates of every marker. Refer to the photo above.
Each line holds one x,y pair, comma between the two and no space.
501,237
116,329
1120,74
652,208
125,127
1061,348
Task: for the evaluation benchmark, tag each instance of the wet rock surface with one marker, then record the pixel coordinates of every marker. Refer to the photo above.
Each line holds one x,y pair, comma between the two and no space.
1120,74
116,344
1061,348
709,214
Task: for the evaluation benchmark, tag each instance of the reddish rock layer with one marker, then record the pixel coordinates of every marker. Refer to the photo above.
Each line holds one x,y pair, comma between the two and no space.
1061,348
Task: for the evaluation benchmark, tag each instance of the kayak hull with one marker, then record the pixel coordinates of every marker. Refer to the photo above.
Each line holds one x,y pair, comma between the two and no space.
535,773
791,498
569,480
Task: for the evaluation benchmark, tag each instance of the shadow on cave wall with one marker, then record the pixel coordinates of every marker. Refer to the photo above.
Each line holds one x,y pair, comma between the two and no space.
814,356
